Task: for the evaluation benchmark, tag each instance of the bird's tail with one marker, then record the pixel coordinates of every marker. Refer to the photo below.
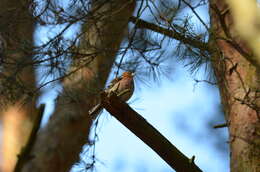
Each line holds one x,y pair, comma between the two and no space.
95,110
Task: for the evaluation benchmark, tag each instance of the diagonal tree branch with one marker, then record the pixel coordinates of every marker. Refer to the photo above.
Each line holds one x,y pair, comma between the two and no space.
172,34
25,152
148,134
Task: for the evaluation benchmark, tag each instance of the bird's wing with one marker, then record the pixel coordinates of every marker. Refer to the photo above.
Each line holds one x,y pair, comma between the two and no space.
113,82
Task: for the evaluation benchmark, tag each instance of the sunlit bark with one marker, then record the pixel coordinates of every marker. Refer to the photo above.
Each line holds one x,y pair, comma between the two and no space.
246,15
239,85
17,80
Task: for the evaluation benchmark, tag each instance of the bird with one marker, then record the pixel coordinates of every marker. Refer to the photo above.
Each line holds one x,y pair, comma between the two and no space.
122,86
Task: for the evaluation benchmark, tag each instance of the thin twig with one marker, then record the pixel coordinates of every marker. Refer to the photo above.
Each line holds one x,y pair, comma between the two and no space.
220,125
196,14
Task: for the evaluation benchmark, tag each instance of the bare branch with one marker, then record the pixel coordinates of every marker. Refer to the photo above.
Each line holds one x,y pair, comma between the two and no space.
148,134
24,156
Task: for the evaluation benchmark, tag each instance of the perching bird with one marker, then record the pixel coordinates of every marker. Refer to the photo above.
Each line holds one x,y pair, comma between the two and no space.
123,86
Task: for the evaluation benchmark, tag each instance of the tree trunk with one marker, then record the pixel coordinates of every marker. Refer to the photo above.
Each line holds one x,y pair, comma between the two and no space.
239,83
60,142
17,80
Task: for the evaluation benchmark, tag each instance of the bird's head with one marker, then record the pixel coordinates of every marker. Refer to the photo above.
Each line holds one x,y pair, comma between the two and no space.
128,74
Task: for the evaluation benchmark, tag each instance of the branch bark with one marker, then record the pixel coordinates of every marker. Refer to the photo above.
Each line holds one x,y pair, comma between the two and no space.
171,33
24,155
148,134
